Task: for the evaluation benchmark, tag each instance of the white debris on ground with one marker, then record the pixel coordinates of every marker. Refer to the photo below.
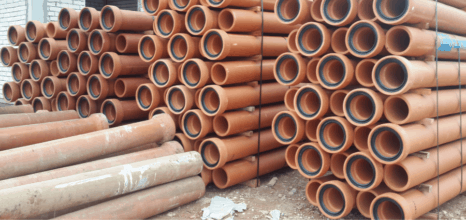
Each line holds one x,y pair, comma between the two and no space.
221,207
275,214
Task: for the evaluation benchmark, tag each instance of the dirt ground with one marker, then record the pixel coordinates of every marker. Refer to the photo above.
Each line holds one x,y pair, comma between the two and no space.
260,201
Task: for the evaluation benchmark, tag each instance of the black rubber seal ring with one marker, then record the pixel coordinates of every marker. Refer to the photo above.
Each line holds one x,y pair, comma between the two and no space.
143,41
177,58
211,55
322,139
91,92
301,35
102,18
378,6
203,153
3,51
146,7
384,199
58,103
178,5
83,27
46,94
322,204
279,73
105,105
24,91
321,71
300,160
185,125
215,3
154,75
189,20
14,75
59,62
351,36
80,66
91,42
379,68
80,112
41,49
350,113
277,122
34,104
102,69
139,97
376,151
20,54
159,23
350,175
60,21
3,90
203,101
299,106
185,72
27,32
72,49
9,37
326,2
170,103
70,88
279,13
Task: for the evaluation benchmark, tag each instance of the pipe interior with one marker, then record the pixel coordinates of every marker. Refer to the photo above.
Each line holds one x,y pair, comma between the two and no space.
46,48
13,35
286,127
311,160
362,171
365,10
311,129
194,124
312,39
364,201
211,100
24,50
182,3
289,69
221,125
315,9
162,73
109,18
312,191
180,47
85,62
393,8
95,86
65,18
333,134
84,106
289,9
398,40
145,96
27,89
211,153
396,109
364,72
97,42
152,5
50,28
219,74
6,56
148,47
54,68
338,40
336,102
226,20
361,135
64,60
310,103
36,70
389,210
38,105
292,41
49,87
290,154
86,19
364,39
311,72
121,43
63,102
7,92
16,70
166,23
110,111
198,20
74,83
361,107
214,44
193,73
108,64
333,71
220,177
31,31
392,75
337,164
289,98
337,9
396,176
177,99
120,87
387,144
333,199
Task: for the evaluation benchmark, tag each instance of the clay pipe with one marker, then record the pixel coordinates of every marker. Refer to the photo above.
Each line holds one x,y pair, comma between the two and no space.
179,99
168,23
288,128
362,171
182,47
68,19
336,71
336,102
237,122
30,89
268,4
394,75
176,119
289,98
291,41
234,72
363,72
364,199
88,63
312,161
49,48
455,3
315,11
366,12
77,40
336,199
206,175
89,19
7,121
243,170
100,88
290,155
313,39
164,73
128,43
52,85
195,73
182,5
184,141
53,68
27,52
151,48
54,31
293,12
339,12
20,72
311,72
39,69
311,129
338,42
366,39
9,56
127,87
337,162
290,69
248,21
35,31
390,143
41,103
67,62
410,107
65,101
335,134
76,84
196,125
148,96
11,92
113,19
313,185
16,35
218,45
112,65
200,19
311,102
118,111
85,106
16,109
53,103
216,100
153,7
361,135
364,107
101,42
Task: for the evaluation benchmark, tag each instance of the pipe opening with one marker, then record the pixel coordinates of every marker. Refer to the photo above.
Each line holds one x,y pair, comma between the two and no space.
220,177
37,105
7,92
166,23
290,155
5,56
396,176
364,72
337,9
179,47
387,144
73,84
334,135
83,107
361,135
193,124
337,164
197,20
338,40
311,160
336,102
120,87
12,35
17,73
162,73
333,200
398,40
45,49
388,209
24,52
65,18
287,127
392,8
363,39
365,10
311,39
108,18
181,3
214,44
50,29
144,95
151,5
97,42
107,65
315,10
362,171
192,73
396,109
177,99
36,71
221,125
333,71
392,75
64,61
311,191
27,89
148,48
121,43
18,102
292,41
95,87
86,19
31,31
311,129
288,68
211,100
309,103
311,72
289,98
226,20
54,68
364,200
361,107
219,74
288,9
49,87
62,102
110,112
85,62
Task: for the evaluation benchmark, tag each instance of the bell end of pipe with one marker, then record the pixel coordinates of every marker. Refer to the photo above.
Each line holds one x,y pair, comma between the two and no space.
167,122
336,192
391,206
387,144
362,172
288,128
214,153
100,121
335,134
311,161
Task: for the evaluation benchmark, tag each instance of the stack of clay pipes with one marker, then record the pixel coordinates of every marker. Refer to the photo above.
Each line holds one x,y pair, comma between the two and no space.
362,105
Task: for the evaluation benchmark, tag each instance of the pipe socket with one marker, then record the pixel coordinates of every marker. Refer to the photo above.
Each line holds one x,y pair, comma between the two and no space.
164,73
337,163
9,56
20,72
100,88
311,129
364,199
65,102
118,111
41,103
22,101
151,48
312,161
153,7
16,34
148,96
338,41
27,52
127,87
76,84
112,65
363,172
51,86
11,92
291,41
339,12
366,39
288,128
268,4
54,31
337,102
311,102
289,98
35,31
113,19
77,41
361,135
336,71
311,70
293,12
179,99
30,89
101,42
363,107
195,73
290,155
313,185
336,199
196,125
363,72
200,19
85,106
169,23
39,69
67,63
335,134
49,48
235,72
89,19
88,63
68,19
313,39
290,69
128,43
366,12
182,47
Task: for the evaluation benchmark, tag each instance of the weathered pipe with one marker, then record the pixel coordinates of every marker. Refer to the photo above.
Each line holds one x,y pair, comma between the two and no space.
179,99
291,41
216,100
366,39
362,172
9,56
218,45
290,69
127,87
237,122
414,202
163,198
196,125
77,40
336,199
293,12
85,106
185,142
30,89
200,19
49,48
414,170
337,162
148,96
195,73
76,84
54,31
11,92
167,148
176,119
313,185
7,121
410,107
88,63
89,19
68,19
366,12
113,19
217,152
67,62
35,31
100,42
182,5
168,23
363,72
364,199
65,101
312,161
339,12
53,103
22,101
288,127
313,39
243,170
396,12
361,135
206,176
182,47
16,35
100,88
112,65
118,111
336,71
335,134
52,85
151,48
455,3
289,98
42,103
391,143
153,7
395,75
39,69
128,43
311,129
115,179
336,102
234,72
16,109
164,73
364,107
311,102
27,52
338,41
311,72
290,155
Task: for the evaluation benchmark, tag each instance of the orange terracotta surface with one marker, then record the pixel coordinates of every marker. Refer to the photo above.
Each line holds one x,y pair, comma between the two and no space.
88,63
168,23
100,88
35,31
16,109
311,102
76,84
65,101
336,102
35,118
30,89
182,47
51,86
313,39
364,199
9,56
293,12
148,96
153,7
312,161
233,72
164,73
20,72
39,69
67,63
290,69
288,128
11,92
336,71
336,199
363,107
49,48
77,41
113,65
335,134
179,99
127,87
85,106
118,111
54,31
200,19
338,41
362,172
28,52
113,19
100,42
16,34
89,19
313,185
68,19
337,162
339,12
366,39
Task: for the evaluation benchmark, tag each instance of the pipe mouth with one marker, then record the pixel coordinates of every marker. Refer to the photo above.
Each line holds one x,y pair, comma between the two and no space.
396,109
108,19
285,127
109,111
27,89
161,73
165,23
289,98
360,171
151,6
64,19
85,19
391,75
85,62
311,129
310,38
121,43
45,48
308,102
192,124
363,201
176,100
210,100
210,154
73,84
332,71
290,155
332,200
83,106
363,38
221,125
120,87
31,31
311,191
179,47
363,72
147,48
332,135
64,61
7,92
73,40
287,69
5,55
292,42
192,73
338,40
196,20
219,176
54,68
337,164
107,65
144,95
23,53
336,102
94,87
219,74
288,10
391,10
336,10
37,105
181,4
361,135
386,144
36,71
51,30
387,208
310,160
62,102
96,42
226,20
311,72
396,176
17,73
48,88
213,44
398,40
12,35
360,107
366,11
19,102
